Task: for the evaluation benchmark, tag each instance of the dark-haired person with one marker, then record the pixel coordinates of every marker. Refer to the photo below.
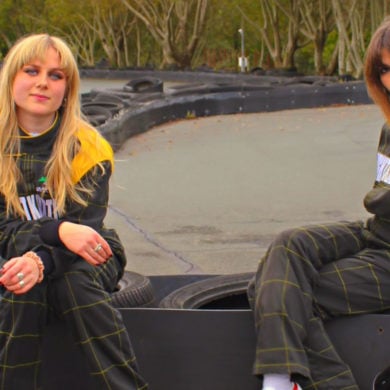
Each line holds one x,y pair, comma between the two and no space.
312,273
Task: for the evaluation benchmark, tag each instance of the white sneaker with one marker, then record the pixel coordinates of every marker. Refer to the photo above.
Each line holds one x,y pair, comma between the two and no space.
295,387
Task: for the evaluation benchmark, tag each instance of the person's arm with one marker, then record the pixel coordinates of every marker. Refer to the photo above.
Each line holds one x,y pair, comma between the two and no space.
54,240
79,230
377,201
18,236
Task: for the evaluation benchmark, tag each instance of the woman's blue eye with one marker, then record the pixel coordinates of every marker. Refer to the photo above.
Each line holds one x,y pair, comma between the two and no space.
30,71
56,76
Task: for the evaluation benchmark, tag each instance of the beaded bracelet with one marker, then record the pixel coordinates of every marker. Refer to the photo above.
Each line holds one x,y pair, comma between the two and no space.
32,255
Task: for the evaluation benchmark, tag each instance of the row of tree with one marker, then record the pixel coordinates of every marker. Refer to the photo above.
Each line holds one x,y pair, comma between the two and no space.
314,36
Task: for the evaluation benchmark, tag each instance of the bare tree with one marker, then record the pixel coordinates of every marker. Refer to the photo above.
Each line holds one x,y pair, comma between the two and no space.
64,20
316,23
291,9
378,11
279,29
113,25
350,17
176,25
270,31
83,41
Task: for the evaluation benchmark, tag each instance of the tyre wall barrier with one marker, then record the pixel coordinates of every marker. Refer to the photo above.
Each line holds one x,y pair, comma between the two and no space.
197,76
140,117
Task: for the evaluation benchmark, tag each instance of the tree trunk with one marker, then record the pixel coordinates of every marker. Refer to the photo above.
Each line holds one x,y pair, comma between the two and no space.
176,25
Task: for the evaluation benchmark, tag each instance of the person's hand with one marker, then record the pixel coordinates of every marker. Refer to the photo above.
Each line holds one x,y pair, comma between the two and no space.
19,274
85,242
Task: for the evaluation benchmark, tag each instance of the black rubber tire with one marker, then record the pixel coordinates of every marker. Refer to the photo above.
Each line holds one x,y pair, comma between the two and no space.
111,106
96,115
258,71
133,290
107,97
201,293
110,97
144,84
382,380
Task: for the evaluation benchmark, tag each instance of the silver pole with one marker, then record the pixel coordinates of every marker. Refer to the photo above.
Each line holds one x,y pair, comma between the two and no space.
241,31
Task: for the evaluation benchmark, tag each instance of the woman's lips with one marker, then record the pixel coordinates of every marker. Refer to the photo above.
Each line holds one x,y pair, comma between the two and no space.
40,98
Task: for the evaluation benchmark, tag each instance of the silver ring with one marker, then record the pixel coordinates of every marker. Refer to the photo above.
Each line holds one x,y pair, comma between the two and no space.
21,283
98,247
20,275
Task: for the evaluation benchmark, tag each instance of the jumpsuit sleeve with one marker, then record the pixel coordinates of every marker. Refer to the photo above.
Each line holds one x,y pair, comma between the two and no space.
18,236
94,212
92,215
377,200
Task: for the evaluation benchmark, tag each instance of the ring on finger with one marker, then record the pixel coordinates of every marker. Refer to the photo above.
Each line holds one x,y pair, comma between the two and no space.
20,275
21,283
98,247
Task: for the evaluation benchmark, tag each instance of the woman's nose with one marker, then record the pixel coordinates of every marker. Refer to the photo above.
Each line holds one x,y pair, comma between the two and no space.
42,81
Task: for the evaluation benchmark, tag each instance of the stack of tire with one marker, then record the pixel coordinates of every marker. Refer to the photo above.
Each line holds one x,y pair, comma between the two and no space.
214,292
101,105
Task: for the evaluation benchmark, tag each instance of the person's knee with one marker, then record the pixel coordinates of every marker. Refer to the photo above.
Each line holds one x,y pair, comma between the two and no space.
75,289
36,295
289,250
289,237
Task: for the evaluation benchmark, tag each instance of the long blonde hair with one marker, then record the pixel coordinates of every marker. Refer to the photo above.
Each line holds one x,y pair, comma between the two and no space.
373,63
58,168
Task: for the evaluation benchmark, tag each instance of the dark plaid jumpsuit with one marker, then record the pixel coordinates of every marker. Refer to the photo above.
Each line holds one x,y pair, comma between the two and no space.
312,273
73,290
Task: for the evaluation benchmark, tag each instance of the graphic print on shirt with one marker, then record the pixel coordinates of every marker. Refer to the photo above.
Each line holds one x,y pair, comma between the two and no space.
37,205
383,169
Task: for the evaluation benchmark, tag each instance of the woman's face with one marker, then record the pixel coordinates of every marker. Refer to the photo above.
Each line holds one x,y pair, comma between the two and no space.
385,69
39,89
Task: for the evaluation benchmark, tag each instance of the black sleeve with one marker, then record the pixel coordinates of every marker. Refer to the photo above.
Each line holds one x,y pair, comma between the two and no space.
377,200
18,236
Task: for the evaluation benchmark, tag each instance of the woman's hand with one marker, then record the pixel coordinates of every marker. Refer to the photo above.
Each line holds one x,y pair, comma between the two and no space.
85,242
20,274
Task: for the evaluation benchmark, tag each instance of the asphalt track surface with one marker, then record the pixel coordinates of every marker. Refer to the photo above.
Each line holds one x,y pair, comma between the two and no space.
207,195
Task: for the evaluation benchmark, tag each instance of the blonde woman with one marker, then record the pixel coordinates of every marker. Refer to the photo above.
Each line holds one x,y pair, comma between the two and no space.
313,273
56,253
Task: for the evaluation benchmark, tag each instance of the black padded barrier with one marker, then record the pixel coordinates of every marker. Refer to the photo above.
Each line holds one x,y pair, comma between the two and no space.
209,349
206,349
